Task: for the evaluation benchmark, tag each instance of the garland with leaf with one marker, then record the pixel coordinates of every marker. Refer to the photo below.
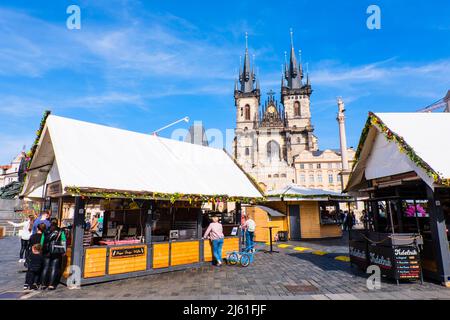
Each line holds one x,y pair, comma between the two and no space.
172,197
403,147
310,196
30,154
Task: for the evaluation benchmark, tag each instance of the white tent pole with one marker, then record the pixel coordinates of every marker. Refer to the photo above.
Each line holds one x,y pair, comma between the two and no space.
186,119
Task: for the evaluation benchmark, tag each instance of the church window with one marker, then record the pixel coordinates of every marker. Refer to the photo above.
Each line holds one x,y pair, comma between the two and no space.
297,109
245,129
273,150
247,151
242,111
247,112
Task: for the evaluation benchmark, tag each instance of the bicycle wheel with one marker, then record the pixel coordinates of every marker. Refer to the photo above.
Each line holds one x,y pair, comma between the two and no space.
232,258
245,260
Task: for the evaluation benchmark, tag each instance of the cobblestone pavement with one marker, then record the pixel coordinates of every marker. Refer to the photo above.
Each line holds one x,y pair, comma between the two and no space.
300,270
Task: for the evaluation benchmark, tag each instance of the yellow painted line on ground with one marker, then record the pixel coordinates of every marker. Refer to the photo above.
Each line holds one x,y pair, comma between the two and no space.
302,249
284,246
343,258
319,253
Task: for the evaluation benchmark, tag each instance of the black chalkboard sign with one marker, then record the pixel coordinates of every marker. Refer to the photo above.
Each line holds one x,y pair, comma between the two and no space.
407,263
127,252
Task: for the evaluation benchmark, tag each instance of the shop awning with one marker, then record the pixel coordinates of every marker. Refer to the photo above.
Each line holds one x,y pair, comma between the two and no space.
96,159
294,193
398,143
271,212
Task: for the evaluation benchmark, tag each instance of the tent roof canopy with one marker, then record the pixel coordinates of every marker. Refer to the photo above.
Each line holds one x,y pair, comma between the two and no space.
395,143
295,192
271,212
96,160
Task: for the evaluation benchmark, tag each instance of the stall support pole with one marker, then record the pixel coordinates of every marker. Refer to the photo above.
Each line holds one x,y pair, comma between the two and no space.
201,254
148,235
439,237
78,232
238,222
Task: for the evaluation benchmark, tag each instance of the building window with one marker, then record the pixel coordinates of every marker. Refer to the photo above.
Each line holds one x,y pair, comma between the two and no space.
311,178
283,175
302,178
302,166
319,178
330,165
247,112
330,178
298,140
297,109
273,150
311,165
247,151
338,178
275,175
319,165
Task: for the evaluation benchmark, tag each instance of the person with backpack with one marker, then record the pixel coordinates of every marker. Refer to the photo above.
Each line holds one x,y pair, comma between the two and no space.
55,249
250,227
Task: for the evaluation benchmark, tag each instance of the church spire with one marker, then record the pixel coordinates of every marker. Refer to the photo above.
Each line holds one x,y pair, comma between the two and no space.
246,75
293,75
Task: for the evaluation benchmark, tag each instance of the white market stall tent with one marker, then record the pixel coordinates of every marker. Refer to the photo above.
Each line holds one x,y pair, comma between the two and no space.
88,156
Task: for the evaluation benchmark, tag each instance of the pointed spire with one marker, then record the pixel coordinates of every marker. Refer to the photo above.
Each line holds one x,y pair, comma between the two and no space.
293,78
246,74
307,74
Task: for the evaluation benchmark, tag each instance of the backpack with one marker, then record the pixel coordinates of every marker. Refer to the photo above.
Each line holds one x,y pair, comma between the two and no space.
58,245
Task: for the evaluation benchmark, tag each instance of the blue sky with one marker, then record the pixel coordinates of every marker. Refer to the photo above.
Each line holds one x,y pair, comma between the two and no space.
139,65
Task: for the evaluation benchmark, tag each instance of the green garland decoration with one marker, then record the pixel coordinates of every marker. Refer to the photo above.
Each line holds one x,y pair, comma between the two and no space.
403,147
32,151
172,197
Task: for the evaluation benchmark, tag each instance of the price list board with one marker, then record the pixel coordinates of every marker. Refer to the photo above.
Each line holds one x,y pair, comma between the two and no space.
407,263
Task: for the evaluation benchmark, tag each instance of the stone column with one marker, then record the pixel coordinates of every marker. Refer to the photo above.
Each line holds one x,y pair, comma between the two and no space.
343,141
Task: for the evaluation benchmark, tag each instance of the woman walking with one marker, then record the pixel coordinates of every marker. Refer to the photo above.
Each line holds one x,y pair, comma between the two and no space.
215,234
25,234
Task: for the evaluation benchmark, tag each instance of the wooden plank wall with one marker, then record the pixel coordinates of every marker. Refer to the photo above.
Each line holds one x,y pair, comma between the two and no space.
184,253
95,262
66,271
127,264
309,219
160,255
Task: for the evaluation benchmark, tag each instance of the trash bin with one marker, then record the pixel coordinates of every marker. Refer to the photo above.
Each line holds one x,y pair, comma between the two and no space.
282,236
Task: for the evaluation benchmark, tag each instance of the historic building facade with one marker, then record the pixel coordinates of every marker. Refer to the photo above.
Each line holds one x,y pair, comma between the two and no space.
272,138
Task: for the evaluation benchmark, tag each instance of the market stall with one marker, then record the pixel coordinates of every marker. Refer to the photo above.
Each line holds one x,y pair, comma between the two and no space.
401,172
300,212
134,204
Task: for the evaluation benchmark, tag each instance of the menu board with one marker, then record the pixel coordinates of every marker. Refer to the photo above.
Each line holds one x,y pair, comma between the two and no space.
358,253
407,263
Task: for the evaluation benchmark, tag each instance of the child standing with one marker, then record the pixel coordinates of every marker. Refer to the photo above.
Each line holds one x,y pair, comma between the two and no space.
35,261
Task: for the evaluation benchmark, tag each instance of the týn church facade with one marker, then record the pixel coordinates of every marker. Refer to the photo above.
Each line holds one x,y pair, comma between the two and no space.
274,141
